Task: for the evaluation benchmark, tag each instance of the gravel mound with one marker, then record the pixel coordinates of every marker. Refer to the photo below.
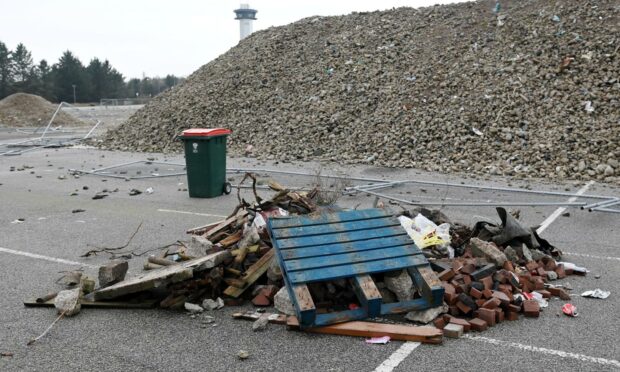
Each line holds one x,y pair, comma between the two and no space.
29,110
529,91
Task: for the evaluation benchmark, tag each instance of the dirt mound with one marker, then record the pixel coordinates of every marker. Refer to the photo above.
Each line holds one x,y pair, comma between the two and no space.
529,91
29,110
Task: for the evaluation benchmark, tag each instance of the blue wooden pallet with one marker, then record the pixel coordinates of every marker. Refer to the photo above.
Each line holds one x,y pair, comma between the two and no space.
353,245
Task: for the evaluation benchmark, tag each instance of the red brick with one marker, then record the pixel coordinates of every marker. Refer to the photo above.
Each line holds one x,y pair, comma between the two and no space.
531,308
467,279
508,266
539,283
475,293
541,272
544,293
499,315
514,308
511,315
478,324
487,293
446,318
480,302
502,297
506,288
456,266
487,315
457,286
454,311
492,303
531,266
449,288
550,265
450,298
261,300
563,295
468,268
446,275
568,272
560,271
439,323
487,281
464,308
462,322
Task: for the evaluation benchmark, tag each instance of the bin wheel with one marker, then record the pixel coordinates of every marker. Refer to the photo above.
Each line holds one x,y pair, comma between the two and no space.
227,188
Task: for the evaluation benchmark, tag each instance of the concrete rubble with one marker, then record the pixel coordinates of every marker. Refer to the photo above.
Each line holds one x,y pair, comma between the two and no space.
464,89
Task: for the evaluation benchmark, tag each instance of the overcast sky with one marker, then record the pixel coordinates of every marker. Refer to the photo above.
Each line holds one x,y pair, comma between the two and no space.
154,37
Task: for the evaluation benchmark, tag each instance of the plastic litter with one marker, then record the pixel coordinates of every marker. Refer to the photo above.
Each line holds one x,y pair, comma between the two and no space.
539,298
570,310
378,340
572,266
424,232
597,293
149,190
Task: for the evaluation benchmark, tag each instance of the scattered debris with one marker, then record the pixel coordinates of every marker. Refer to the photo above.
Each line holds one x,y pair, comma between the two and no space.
193,308
112,273
242,354
378,340
569,310
134,192
597,293
78,211
67,302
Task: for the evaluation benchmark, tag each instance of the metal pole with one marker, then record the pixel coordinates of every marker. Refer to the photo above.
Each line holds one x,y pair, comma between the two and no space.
52,119
477,204
73,85
603,203
92,130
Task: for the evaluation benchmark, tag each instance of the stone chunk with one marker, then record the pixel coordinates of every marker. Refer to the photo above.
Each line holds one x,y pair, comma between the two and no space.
68,301
113,272
426,316
453,330
401,285
282,302
193,308
488,250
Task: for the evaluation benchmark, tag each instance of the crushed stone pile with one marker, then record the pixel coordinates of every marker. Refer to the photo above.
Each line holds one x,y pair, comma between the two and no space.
29,110
532,90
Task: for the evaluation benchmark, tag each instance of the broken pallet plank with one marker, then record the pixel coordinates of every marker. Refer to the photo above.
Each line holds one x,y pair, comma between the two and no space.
427,335
252,274
167,274
224,224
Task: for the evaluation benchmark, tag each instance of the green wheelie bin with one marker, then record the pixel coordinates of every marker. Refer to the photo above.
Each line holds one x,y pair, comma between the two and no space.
205,160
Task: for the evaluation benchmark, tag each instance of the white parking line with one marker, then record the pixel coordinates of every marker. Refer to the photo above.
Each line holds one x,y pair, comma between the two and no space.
194,213
558,353
46,258
397,357
591,256
558,212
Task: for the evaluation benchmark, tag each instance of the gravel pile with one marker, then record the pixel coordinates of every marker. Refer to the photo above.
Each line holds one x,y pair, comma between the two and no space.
29,110
530,91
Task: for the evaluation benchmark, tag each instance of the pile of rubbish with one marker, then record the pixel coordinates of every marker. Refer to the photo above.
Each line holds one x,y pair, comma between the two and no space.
470,87
29,110
489,273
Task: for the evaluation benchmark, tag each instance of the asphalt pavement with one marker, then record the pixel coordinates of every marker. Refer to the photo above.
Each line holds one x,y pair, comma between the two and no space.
44,194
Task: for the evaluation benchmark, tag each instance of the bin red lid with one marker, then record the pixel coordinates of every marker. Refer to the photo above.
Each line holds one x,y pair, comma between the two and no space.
205,132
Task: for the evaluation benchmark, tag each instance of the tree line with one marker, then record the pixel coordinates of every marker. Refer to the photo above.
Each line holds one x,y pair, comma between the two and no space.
69,78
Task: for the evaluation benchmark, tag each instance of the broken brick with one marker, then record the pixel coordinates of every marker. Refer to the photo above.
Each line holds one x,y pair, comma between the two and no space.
487,293
462,322
446,275
493,303
544,293
487,315
261,300
478,325
475,293
560,271
485,271
531,308
487,281
511,315
439,323
453,330
502,297
531,266
499,315
468,269
464,308
508,266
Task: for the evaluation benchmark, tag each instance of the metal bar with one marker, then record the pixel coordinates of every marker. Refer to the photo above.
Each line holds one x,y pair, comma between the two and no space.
92,129
52,119
476,204
607,210
604,203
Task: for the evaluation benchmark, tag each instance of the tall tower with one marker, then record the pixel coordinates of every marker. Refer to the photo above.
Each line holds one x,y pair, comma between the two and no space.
245,15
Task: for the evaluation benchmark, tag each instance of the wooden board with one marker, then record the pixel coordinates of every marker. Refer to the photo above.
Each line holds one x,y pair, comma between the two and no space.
144,304
427,335
251,275
167,274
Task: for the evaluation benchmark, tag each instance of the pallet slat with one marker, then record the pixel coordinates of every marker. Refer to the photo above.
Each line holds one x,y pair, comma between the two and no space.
302,231
288,222
344,237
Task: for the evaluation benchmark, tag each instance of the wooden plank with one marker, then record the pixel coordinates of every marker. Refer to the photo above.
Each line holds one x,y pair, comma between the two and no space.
231,239
252,274
350,258
168,274
301,231
368,294
304,305
345,271
143,304
359,246
225,224
202,229
399,332
294,243
252,315
406,306
430,286
319,219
